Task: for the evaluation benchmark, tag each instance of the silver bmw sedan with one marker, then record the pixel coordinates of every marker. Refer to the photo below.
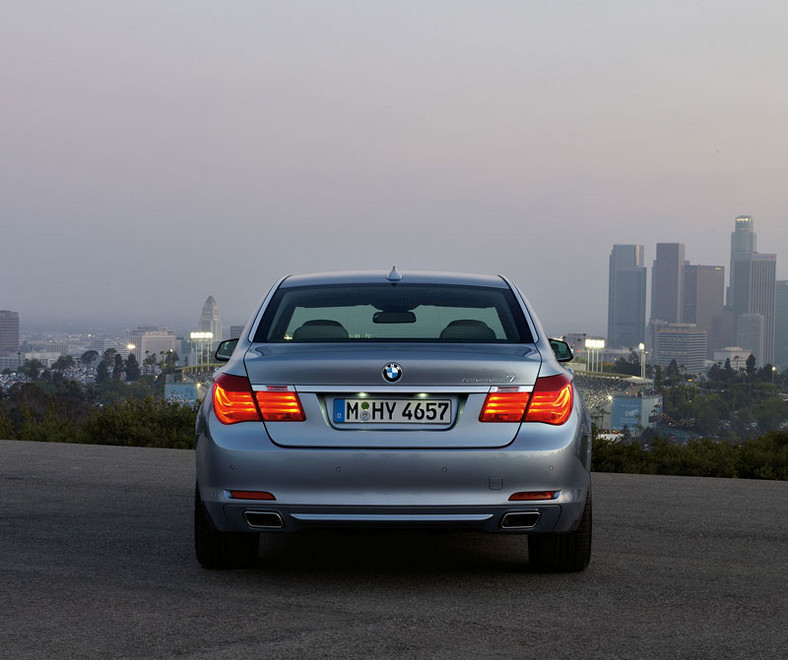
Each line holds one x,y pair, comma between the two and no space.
401,400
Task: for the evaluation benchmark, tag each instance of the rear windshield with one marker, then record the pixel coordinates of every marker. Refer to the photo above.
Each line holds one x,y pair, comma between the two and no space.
382,312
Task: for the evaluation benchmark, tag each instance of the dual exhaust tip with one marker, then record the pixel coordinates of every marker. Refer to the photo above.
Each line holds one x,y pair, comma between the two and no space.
520,520
263,519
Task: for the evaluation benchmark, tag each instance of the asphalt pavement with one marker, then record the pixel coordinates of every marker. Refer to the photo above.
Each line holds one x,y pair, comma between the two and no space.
96,561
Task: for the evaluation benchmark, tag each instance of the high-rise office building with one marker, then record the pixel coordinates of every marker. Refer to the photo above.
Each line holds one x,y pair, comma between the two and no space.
753,284
755,290
667,283
685,344
149,340
743,244
750,335
781,324
704,302
9,331
626,310
210,321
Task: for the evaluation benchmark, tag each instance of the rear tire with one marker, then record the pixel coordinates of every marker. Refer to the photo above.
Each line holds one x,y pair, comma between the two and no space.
215,549
569,552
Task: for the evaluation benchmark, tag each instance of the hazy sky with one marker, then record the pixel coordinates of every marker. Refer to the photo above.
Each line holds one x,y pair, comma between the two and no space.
153,153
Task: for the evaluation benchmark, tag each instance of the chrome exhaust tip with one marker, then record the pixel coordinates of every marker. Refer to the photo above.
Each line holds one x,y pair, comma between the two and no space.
522,520
263,519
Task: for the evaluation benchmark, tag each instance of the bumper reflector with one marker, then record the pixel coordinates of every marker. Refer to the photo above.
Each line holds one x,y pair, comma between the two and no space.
534,495
251,495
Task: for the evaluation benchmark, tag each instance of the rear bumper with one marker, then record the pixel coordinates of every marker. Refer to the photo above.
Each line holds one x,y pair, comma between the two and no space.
452,488
275,518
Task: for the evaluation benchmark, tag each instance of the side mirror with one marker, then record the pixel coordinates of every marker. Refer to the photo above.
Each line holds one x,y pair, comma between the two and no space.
224,350
562,351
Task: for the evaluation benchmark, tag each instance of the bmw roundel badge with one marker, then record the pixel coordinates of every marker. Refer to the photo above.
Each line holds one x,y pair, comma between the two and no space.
392,372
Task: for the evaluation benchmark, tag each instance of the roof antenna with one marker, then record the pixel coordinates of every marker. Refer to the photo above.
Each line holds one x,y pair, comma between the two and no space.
394,275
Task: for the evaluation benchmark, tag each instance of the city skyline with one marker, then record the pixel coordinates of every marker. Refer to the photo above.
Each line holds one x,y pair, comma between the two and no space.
153,157
689,320
678,255
689,315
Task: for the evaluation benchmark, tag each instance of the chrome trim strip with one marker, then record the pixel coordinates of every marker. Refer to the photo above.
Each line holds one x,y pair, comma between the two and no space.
393,390
392,517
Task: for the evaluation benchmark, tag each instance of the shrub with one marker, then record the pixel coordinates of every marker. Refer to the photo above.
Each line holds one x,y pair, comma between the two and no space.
759,458
145,422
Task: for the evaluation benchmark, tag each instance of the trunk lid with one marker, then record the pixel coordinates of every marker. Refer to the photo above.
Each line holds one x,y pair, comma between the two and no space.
329,377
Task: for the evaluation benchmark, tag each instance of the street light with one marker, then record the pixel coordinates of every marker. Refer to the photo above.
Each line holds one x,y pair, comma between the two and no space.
642,348
773,370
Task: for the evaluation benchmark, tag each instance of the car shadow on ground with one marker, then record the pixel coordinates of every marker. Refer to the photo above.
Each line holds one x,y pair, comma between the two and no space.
392,552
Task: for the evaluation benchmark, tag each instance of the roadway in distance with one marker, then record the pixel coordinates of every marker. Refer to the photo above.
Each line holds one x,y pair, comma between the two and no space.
96,561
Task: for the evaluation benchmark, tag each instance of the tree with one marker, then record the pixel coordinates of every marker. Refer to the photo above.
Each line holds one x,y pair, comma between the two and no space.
728,370
102,372
658,380
750,366
149,362
629,365
31,368
132,368
672,375
88,357
170,362
117,368
63,362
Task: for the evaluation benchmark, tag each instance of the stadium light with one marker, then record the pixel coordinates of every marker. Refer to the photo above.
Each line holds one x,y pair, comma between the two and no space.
593,346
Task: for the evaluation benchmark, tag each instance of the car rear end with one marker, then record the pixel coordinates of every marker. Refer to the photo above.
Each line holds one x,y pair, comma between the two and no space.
421,401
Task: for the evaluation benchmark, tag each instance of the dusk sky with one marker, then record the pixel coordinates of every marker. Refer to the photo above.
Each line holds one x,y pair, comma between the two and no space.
153,153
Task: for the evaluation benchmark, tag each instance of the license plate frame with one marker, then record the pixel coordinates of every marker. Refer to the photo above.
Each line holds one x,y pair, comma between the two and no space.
431,412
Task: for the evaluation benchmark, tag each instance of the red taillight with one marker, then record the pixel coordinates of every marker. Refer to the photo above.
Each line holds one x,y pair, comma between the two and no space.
551,400
279,404
506,404
233,401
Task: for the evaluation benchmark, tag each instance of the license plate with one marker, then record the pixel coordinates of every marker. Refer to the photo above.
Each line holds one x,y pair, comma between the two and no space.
392,411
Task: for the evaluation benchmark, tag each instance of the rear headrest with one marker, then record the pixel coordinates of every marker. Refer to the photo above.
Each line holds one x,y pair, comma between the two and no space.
319,330
464,329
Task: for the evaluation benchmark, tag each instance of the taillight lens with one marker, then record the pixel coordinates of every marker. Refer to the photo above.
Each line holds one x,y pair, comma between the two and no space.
506,404
279,404
551,400
233,401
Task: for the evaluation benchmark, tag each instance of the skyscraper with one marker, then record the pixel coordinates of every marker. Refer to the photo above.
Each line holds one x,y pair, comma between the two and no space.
210,321
753,284
704,298
781,325
667,283
750,334
9,331
626,307
743,244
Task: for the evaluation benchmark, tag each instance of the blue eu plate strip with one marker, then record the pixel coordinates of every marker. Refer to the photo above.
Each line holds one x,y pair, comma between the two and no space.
339,410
